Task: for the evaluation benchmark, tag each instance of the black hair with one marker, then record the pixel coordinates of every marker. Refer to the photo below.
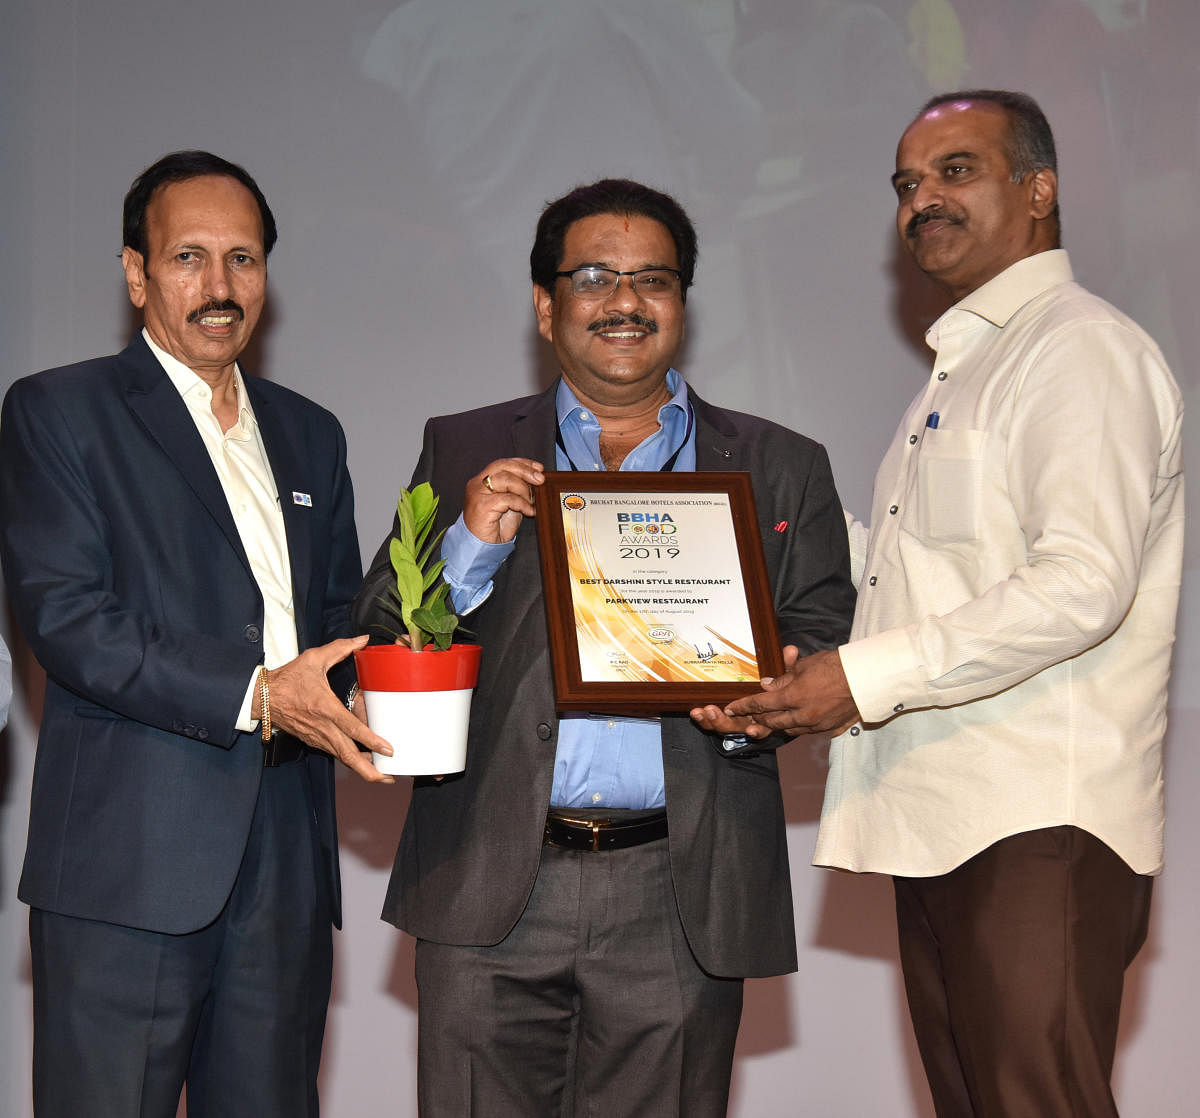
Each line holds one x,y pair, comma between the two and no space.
180,166
609,196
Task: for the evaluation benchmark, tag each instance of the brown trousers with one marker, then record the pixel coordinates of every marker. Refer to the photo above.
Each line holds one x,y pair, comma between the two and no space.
1014,963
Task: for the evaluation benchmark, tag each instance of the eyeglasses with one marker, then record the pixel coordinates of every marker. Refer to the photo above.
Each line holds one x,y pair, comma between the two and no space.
598,283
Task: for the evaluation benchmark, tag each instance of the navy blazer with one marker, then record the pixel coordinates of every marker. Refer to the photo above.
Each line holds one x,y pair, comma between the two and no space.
471,844
130,582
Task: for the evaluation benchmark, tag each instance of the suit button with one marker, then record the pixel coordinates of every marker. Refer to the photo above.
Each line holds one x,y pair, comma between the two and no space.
252,633
202,733
544,731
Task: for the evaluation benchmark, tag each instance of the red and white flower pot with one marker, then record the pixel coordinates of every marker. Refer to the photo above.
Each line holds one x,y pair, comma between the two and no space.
420,703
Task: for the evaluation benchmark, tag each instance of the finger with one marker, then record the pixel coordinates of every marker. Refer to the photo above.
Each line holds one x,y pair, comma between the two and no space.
359,731
337,650
746,705
715,720
344,747
361,764
507,475
767,721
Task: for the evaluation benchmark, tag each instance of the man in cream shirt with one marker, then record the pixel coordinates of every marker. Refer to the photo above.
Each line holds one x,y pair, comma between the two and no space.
1003,693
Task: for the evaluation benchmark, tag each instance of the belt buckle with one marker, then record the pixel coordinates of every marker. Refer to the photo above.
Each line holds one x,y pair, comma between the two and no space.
594,825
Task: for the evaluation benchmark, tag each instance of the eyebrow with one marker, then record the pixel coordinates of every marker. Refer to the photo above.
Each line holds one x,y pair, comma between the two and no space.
614,268
952,157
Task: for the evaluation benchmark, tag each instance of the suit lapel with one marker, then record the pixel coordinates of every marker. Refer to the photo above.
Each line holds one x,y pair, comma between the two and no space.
533,429
155,403
718,446
287,466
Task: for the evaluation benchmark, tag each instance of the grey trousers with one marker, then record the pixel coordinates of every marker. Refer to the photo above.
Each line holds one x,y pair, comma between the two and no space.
591,1007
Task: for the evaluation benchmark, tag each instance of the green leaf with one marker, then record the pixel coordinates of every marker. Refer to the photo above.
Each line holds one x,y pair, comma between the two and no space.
408,523
421,595
409,583
424,503
431,575
433,622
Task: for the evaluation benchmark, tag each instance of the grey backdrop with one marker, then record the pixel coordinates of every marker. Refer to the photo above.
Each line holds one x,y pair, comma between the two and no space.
407,150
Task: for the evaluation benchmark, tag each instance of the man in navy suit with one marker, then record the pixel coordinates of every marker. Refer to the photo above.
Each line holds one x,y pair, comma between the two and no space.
179,544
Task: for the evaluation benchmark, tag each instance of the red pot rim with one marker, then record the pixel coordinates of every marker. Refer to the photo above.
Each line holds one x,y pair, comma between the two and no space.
396,667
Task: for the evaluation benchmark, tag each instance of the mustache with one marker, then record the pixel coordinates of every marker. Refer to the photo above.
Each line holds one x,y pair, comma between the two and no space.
917,220
214,306
615,320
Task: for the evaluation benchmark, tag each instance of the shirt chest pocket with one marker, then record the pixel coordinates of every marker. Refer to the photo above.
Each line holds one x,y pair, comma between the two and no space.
950,484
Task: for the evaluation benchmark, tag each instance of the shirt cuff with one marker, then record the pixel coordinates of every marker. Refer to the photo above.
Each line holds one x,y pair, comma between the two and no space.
244,722
882,674
470,565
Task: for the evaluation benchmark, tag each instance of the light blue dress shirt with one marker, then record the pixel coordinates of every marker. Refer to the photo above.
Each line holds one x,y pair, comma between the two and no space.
602,760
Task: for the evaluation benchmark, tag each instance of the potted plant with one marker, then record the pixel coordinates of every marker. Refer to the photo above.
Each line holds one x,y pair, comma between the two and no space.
418,690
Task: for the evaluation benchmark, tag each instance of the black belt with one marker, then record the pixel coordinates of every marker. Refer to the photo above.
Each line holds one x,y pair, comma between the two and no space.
282,749
602,834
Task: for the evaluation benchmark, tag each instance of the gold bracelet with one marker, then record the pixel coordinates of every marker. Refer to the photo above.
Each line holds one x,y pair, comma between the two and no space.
264,699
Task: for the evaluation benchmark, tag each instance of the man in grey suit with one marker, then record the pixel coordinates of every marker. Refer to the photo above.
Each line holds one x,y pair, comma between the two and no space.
178,540
589,894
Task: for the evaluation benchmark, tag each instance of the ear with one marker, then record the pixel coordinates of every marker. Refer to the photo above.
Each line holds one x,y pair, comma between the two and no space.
543,306
1043,193
135,275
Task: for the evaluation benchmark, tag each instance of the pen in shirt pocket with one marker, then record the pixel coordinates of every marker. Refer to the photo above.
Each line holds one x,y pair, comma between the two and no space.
933,420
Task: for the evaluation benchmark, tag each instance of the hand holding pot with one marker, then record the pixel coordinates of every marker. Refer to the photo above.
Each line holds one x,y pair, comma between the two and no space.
303,705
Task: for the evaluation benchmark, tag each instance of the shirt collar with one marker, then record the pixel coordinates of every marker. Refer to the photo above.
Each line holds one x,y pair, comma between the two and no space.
1003,295
188,384
567,403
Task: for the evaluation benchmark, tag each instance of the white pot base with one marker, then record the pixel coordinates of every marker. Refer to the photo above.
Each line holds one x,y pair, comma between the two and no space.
426,729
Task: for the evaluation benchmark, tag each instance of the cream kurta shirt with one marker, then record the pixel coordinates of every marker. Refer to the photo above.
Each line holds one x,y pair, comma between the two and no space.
1012,641
240,459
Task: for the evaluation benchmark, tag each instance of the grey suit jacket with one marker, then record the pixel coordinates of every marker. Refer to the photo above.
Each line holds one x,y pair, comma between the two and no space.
471,845
130,582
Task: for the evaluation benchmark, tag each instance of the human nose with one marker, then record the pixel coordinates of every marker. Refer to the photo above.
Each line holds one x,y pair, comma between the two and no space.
218,281
624,295
925,195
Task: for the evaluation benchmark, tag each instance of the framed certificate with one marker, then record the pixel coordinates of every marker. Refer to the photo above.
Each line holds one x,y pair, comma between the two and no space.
656,590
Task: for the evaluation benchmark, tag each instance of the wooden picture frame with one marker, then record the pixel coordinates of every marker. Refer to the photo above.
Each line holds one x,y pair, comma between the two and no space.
656,590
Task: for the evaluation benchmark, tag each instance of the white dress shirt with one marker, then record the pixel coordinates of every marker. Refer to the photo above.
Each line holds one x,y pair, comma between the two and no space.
1012,641
240,459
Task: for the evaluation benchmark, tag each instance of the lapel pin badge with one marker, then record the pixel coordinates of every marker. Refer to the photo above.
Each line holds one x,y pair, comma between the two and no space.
301,499
781,526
